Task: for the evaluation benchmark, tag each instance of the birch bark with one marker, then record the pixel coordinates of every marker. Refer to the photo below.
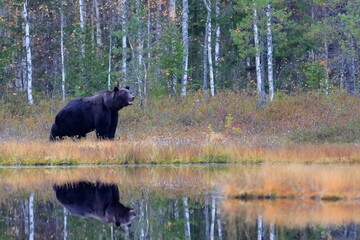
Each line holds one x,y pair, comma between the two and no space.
261,95
31,217
124,42
63,73
208,44
82,26
217,41
270,54
185,35
29,70
187,218
98,24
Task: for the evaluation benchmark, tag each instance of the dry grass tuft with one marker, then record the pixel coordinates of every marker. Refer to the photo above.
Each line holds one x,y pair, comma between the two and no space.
172,149
294,213
295,180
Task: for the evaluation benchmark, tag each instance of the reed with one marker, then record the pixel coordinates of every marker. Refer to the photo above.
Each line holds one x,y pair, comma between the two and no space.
292,213
177,149
328,182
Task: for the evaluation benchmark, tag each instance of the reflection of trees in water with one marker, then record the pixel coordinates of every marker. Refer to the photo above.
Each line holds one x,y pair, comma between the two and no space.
157,218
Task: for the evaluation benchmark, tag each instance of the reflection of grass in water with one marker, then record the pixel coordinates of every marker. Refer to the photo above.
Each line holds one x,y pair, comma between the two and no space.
294,213
328,182
196,150
168,180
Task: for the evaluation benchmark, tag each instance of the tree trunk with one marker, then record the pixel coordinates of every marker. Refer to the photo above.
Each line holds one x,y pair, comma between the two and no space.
261,101
63,73
98,23
217,41
259,228
326,68
28,54
187,218
185,35
110,56
206,214
31,217
82,26
65,224
205,64
218,213
208,44
212,225
270,54
172,10
272,232
124,42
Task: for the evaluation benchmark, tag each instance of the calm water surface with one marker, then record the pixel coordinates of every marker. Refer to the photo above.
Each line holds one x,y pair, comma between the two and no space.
157,202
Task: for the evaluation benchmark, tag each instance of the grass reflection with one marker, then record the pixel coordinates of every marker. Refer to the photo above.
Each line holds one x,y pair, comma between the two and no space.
294,213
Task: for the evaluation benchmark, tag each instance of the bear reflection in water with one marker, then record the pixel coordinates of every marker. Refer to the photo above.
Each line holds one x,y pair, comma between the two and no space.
95,200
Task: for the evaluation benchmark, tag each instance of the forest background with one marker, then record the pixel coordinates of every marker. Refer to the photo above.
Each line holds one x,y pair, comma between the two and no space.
234,67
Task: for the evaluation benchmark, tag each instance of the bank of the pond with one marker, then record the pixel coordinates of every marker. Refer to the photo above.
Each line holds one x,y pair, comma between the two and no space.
172,152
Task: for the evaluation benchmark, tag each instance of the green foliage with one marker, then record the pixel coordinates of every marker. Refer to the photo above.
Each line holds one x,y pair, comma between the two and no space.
171,54
315,75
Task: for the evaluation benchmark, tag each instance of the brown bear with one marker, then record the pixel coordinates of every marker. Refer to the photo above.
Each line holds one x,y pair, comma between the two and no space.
96,200
86,114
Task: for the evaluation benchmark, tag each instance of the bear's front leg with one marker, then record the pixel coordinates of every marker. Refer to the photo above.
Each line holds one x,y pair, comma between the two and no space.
102,124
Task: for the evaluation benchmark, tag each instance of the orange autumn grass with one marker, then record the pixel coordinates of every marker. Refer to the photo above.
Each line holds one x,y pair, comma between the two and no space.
293,213
335,181
177,150
166,180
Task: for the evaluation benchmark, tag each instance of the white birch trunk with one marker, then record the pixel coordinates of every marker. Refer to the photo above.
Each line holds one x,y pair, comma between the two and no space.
326,66
187,218
218,213
206,210
257,61
259,228
185,35
82,26
63,73
212,224
217,41
140,67
65,224
31,217
110,56
172,10
98,24
208,43
124,42
28,54
272,232
270,54
205,64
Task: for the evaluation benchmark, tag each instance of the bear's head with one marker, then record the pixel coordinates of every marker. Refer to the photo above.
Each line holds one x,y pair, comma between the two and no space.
121,97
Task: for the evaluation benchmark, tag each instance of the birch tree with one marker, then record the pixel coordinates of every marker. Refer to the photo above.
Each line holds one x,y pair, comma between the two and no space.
98,23
270,54
217,40
261,100
28,53
259,228
31,217
208,46
123,41
110,57
82,26
63,73
185,36
187,218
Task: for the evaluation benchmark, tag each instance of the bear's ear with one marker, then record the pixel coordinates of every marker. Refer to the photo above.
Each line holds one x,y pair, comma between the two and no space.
127,87
116,89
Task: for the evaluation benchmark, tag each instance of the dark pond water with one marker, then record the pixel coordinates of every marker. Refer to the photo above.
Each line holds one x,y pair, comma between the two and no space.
169,202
